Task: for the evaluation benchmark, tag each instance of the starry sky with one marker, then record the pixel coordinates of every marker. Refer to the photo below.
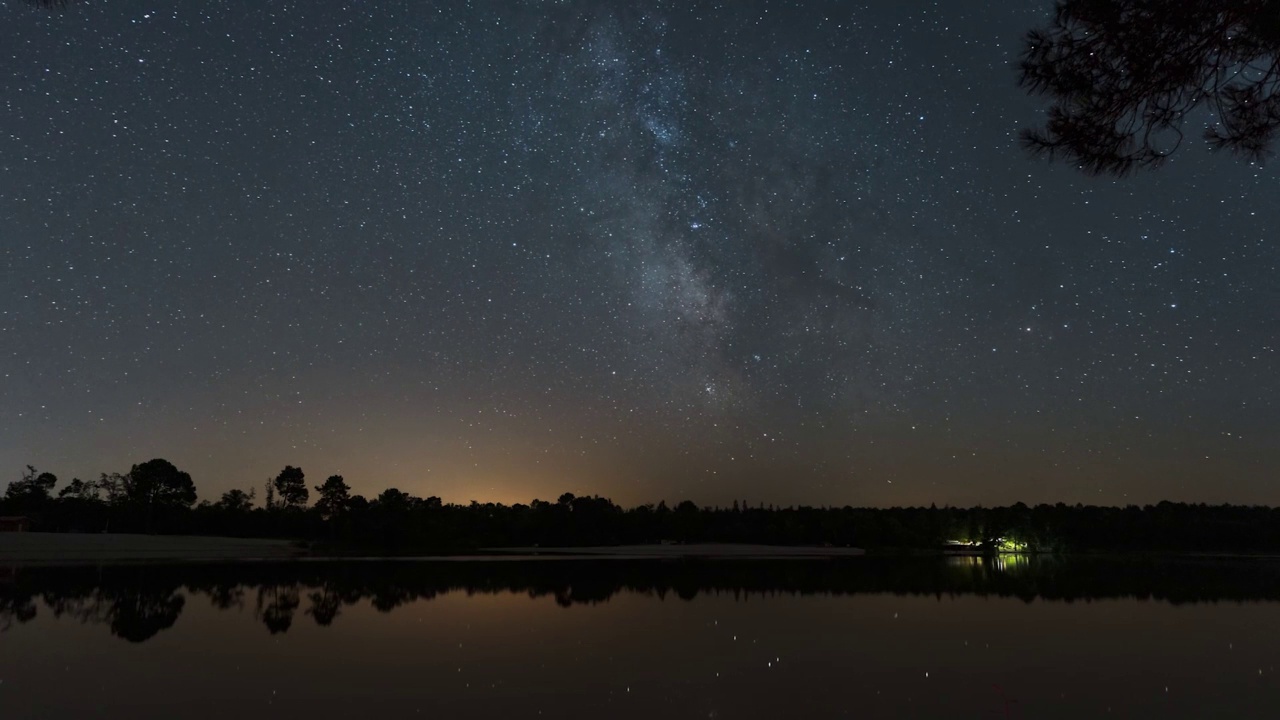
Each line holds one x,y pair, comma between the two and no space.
779,252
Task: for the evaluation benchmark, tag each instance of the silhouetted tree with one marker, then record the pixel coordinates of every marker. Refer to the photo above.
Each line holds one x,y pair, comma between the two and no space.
394,499
236,501
1124,76
112,487
158,484
78,489
291,487
77,509
332,497
687,521
32,491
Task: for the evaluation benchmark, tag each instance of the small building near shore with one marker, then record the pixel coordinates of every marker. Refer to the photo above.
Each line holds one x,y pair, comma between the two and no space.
14,523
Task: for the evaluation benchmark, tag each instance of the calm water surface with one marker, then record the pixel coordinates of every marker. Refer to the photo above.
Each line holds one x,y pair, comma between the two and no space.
866,638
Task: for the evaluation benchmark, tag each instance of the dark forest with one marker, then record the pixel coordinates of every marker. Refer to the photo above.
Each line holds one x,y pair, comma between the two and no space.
156,497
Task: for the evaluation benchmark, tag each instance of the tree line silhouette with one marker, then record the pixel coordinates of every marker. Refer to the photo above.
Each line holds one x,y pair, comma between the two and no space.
157,497
137,602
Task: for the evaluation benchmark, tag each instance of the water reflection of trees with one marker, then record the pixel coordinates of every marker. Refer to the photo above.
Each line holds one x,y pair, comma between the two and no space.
138,602
276,605
134,605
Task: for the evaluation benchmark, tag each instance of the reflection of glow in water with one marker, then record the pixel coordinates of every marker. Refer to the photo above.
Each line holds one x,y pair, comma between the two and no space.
1003,562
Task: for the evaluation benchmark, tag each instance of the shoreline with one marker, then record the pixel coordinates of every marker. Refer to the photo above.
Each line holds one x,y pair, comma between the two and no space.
85,548
39,548
90,548
712,551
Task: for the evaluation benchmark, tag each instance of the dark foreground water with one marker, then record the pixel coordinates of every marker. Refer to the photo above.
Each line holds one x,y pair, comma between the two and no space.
864,638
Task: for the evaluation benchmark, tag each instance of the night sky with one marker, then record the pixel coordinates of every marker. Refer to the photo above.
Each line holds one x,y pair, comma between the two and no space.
757,251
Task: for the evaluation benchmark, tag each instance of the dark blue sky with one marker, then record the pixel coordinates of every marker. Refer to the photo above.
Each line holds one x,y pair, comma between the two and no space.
763,251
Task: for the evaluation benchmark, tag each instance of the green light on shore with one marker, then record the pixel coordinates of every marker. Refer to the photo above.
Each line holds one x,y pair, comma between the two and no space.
1004,545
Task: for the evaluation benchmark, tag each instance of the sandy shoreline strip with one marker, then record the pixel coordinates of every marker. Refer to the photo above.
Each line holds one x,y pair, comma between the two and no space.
72,548
693,550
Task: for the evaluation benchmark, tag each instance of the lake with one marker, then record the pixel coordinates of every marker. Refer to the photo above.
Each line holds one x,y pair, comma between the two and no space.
873,637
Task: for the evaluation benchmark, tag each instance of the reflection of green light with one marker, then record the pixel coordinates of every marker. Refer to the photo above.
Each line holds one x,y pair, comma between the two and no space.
1010,561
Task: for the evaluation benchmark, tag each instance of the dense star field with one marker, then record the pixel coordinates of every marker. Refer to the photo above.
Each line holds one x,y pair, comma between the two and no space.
763,251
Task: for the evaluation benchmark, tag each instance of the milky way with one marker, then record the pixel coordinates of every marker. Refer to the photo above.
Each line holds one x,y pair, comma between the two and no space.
764,251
